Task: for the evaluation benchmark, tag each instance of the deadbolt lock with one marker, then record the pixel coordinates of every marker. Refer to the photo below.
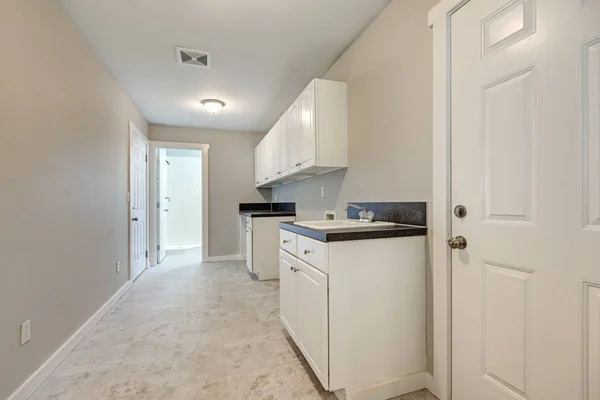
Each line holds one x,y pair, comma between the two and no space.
460,211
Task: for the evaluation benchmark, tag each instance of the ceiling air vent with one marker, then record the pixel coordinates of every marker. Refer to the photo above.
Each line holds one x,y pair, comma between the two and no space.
195,58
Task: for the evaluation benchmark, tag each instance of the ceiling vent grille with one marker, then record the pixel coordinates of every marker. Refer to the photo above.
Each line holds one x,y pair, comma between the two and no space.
195,58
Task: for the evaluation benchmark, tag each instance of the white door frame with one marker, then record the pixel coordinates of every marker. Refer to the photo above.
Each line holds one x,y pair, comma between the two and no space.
133,132
439,21
154,146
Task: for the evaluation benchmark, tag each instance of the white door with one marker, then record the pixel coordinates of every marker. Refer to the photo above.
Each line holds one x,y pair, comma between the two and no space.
283,149
249,249
313,319
293,136
257,165
288,292
308,139
525,164
138,204
162,204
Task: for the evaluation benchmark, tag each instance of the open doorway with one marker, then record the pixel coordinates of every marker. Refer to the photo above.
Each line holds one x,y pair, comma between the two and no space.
180,193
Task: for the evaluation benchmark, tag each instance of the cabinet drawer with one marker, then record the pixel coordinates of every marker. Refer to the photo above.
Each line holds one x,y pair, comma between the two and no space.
287,241
314,253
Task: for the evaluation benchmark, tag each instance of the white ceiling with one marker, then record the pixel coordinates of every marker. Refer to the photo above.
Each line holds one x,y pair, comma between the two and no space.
264,52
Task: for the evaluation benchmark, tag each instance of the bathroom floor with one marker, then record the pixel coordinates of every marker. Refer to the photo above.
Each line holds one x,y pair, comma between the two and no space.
188,330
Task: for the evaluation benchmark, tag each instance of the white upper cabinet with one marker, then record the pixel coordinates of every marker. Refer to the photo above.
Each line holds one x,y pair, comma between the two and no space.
310,138
306,126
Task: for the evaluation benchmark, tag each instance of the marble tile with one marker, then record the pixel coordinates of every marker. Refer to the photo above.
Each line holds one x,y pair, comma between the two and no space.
137,380
252,333
193,331
214,388
83,386
260,355
262,384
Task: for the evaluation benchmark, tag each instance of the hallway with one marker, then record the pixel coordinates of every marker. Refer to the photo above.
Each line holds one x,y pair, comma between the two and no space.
189,331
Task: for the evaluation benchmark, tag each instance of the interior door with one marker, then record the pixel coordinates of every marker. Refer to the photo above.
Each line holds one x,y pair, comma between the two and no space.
313,319
525,165
288,292
138,205
307,142
163,204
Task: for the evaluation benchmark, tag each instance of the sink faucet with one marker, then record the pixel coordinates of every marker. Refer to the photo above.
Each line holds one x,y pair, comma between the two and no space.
364,214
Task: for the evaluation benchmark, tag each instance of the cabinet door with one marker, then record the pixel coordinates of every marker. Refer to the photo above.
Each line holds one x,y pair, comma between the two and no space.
269,156
249,249
282,145
288,293
308,138
257,162
294,135
313,323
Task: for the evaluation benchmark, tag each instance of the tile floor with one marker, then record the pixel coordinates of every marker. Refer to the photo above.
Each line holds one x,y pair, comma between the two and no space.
187,330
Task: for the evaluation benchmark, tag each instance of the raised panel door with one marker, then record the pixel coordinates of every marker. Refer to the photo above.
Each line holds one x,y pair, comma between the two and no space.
288,293
308,138
524,164
294,134
313,321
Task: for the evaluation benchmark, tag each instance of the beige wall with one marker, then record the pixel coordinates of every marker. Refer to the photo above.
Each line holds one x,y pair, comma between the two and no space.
389,75
63,169
230,179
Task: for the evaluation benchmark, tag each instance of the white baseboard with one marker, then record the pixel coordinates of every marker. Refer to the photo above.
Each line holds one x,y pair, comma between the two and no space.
386,390
233,257
36,379
431,385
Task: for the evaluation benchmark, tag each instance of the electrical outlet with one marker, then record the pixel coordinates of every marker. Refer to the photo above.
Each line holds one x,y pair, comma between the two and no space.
322,191
25,332
118,266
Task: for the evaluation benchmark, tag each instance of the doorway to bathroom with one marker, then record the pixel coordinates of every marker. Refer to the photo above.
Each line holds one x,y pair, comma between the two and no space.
180,193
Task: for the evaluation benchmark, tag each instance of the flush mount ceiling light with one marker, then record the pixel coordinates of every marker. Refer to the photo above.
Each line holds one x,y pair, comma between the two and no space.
213,105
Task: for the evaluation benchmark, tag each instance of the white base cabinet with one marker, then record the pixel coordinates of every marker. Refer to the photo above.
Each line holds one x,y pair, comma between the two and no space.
261,237
358,316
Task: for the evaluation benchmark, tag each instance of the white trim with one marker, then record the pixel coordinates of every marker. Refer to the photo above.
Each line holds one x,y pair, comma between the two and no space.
386,390
154,146
439,20
38,377
134,131
233,257
431,385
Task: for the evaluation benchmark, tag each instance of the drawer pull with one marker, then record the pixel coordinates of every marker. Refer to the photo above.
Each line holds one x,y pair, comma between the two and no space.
307,251
285,241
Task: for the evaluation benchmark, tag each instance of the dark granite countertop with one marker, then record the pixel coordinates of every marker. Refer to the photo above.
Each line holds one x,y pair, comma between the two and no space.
267,213
346,234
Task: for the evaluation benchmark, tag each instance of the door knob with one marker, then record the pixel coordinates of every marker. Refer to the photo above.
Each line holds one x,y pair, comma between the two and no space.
135,219
457,242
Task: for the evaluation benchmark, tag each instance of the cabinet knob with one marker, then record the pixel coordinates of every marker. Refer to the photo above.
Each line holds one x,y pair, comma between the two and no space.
306,251
285,241
292,269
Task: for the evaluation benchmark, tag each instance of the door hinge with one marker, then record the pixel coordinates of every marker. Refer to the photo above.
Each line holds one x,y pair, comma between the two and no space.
157,205
146,253
158,247
128,197
146,157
